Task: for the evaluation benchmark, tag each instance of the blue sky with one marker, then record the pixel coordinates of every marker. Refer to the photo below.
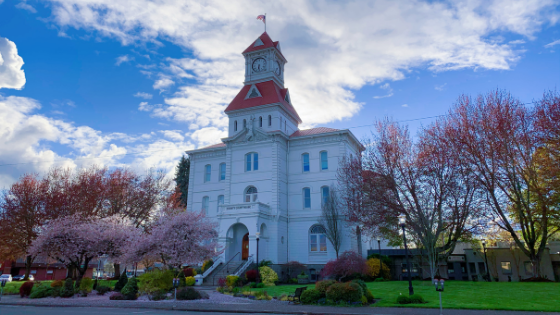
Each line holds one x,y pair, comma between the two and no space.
103,80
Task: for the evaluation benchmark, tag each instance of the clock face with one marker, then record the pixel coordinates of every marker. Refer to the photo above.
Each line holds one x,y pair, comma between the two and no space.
259,65
277,68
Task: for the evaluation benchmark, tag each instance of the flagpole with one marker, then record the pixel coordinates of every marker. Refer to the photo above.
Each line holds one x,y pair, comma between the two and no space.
265,22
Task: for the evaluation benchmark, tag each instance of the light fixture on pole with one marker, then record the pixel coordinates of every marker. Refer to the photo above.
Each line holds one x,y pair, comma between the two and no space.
258,234
379,247
486,261
402,224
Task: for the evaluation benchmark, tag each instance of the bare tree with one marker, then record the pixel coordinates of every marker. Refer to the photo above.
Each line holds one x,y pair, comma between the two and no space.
332,219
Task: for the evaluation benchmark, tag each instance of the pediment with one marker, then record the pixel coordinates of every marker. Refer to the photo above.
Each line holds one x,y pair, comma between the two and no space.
245,137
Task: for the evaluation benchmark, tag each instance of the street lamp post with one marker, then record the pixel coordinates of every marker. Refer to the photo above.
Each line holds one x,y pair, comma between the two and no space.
379,247
486,261
258,234
402,223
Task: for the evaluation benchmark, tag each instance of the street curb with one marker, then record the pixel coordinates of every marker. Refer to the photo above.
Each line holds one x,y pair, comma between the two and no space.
205,310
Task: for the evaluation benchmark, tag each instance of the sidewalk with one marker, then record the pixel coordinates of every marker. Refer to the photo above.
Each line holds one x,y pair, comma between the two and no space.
249,307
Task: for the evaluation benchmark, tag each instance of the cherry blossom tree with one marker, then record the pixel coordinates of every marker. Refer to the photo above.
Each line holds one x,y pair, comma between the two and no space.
176,239
76,240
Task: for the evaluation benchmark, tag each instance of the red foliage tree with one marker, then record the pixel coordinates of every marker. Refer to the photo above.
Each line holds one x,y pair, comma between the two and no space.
347,264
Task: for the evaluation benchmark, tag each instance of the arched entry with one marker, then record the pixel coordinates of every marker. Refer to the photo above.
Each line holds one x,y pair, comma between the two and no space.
237,242
245,247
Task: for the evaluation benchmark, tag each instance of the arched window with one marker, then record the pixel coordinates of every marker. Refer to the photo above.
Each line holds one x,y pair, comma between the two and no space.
220,202
324,194
222,171
251,194
244,123
317,239
260,121
269,120
280,127
324,160
251,162
205,204
306,197
207,173
305,162
235,125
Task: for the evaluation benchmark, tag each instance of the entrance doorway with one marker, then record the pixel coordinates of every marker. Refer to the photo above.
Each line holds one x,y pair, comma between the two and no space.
245,247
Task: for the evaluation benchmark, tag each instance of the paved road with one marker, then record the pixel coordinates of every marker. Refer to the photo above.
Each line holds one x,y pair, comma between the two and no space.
35,310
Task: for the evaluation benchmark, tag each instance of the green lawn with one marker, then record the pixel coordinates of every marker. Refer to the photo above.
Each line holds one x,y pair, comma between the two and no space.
520,296
13,287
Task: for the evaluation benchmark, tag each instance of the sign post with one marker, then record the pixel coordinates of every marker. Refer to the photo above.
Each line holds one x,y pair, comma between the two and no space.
439,289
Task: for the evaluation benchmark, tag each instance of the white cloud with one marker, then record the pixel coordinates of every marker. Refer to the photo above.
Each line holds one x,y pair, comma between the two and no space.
389,90
208,136
144,95
554,43
122,59
517,42
440,87
23,5
11,74
404,105
163,83
174,135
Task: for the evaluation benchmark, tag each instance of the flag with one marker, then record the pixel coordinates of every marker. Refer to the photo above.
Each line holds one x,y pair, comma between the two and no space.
262,18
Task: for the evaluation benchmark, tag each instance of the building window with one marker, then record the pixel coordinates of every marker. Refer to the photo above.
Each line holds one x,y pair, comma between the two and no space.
528,268
251,162
222,171
472,268
313,274
49,272
506,267
235,125
324,160
481,268
306,198
260,121
305,162
317,239
280,127
244,123
220,202
207,172
33,272
269,120
251,194
205,204
324,195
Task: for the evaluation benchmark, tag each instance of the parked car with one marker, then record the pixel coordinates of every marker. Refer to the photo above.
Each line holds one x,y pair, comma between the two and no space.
6,277
20,278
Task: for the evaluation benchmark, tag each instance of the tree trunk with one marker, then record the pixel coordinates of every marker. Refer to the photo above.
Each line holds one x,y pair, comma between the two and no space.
71,273
28,262
117,272
536,264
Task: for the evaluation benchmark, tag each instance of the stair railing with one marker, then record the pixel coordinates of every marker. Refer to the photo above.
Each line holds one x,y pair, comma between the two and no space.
214,266
244,266
227,264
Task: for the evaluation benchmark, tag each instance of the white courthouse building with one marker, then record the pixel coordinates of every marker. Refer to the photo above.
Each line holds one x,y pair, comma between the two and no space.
268,178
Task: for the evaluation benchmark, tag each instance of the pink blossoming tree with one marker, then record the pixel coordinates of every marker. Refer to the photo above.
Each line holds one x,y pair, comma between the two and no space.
176,239
75,241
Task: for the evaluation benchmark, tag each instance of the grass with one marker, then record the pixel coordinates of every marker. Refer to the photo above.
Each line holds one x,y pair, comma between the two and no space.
519,296
13,287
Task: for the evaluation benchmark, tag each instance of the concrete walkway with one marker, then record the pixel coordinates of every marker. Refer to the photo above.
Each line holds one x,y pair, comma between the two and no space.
266,307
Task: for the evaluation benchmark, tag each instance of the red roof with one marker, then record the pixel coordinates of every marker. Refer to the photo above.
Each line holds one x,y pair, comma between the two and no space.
271,93
214,146
313,131
266,41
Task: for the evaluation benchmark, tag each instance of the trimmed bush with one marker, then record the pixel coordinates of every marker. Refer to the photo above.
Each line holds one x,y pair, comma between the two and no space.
231,280
123,279
403,299
130,290
311,296
55,292
86,285
116,296
362,285
416,299
182,281
158,296
154,281
189,281
322,286
369,296
378,280
41,291
207,264
25,289
57,284
68,289
101,289
364,300
346,292
222,282
377,269
251,275
268,276
188,293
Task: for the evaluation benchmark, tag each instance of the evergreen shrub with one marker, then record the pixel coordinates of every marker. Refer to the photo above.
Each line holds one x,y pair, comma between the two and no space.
188,293
123,279
130,290
68,289
346,292
311,296
86,285
322,286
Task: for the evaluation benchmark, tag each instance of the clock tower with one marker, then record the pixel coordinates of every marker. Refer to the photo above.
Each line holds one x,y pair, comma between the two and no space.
264,61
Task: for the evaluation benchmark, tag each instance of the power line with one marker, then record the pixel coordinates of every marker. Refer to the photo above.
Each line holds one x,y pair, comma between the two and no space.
136,153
